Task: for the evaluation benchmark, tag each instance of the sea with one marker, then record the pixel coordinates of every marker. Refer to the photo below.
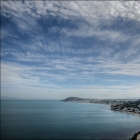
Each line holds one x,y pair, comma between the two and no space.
53,119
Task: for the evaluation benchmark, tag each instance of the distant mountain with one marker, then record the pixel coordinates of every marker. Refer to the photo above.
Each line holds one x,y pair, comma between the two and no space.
73,99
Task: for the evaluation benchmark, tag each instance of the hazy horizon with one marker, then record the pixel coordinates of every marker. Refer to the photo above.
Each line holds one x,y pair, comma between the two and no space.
59,49
14,98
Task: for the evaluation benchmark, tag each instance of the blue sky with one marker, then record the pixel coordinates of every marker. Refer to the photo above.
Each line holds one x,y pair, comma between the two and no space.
57,49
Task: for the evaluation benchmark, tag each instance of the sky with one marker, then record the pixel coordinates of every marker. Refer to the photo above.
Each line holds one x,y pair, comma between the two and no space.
58,49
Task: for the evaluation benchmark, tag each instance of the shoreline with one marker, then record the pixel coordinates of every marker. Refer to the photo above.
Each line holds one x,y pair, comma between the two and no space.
127,112
136,136
106,104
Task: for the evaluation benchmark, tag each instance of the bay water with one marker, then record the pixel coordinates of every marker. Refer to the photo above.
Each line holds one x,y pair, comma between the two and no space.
52,119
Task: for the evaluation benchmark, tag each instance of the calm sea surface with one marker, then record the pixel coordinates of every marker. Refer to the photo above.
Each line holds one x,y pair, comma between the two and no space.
48,119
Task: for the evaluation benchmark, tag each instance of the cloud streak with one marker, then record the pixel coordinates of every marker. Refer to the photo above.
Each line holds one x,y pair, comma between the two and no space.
71,45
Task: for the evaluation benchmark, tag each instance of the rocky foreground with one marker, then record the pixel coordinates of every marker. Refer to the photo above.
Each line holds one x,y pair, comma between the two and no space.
136,136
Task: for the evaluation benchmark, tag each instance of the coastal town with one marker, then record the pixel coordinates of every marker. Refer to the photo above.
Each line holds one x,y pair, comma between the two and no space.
128,105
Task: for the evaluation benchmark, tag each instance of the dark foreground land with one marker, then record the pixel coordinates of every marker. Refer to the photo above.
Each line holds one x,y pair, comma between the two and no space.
135,137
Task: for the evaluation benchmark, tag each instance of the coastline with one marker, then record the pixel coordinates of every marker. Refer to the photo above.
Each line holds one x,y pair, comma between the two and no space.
127,112
106,104
136,136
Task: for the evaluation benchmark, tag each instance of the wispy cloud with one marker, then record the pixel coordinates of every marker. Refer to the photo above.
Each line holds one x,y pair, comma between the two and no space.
71,45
